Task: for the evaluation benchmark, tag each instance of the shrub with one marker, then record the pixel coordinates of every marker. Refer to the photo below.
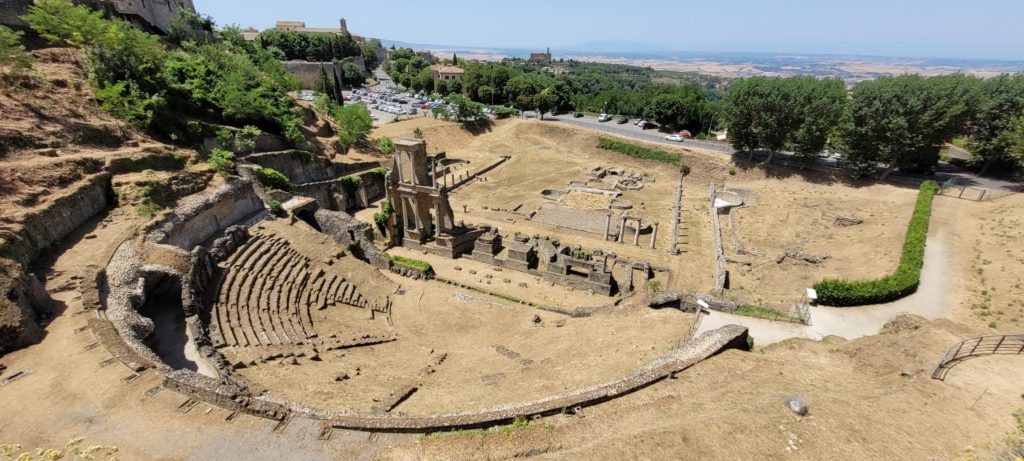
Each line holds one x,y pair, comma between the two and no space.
633,150
350,184
12,53
222,161
381,217
732,171
386,145
503,112
684,169
276,209
411,263
902,282
381,171
273,179
417,133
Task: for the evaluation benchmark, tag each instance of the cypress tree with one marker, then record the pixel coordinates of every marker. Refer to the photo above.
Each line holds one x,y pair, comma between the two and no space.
338,92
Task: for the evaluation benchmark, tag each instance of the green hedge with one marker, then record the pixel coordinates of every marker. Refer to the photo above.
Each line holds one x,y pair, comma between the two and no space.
835,292
416,264
636,151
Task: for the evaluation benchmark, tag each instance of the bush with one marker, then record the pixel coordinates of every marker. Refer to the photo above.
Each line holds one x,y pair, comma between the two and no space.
222,161
835,292
633,150
385,145
273,179
350,184
381,217
276,209
416,264
12,53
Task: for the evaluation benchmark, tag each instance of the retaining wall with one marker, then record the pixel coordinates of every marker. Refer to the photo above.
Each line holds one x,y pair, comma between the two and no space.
203,216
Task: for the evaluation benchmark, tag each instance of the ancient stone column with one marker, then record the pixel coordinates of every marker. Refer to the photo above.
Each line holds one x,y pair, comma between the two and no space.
636,236
607,225
437,223
622,228
405,213
654,235
398,162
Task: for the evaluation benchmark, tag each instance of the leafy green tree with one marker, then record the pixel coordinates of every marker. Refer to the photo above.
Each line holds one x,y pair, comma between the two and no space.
354,124
351,74
1001,103
903,121
819,106
60,21
485,93
13,57
324,85
545,101
666,110
222,161
1014,135
339,91
370,53
465,109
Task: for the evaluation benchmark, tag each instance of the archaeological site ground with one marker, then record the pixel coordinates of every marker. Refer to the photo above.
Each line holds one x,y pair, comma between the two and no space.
514,288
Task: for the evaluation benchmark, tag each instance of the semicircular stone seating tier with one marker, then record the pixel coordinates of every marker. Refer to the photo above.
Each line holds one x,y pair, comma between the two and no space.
267,294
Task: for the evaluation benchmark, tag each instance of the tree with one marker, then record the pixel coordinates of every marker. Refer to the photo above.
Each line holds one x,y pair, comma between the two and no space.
339,92
1002,102
465,109
455,60
323,85
370,53
354,124
820,104
545,101
666,110
903,121
12,53
351,74
485,93
60,21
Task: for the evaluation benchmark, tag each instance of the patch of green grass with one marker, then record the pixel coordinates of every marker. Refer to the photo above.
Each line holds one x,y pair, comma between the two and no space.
411,263
636,151
765,313
505,430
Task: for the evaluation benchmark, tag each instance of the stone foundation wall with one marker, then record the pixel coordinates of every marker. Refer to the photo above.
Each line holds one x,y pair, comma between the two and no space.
203,216
309,72
300,167
45,227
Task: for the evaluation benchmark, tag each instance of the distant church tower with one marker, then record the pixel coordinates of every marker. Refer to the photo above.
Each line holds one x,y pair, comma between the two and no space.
344,26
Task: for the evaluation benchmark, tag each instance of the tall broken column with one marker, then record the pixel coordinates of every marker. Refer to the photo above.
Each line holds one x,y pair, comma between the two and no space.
636,236
607,225
654,235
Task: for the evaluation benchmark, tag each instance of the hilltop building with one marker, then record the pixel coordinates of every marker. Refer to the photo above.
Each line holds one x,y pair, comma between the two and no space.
541,58
300,26
150,15
447,72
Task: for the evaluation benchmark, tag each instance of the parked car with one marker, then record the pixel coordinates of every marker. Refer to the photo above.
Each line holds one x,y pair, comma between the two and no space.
604,118
644,124
622,120
577,114
674,137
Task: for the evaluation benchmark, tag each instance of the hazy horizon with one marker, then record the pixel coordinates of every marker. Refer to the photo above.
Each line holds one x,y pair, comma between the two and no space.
891,28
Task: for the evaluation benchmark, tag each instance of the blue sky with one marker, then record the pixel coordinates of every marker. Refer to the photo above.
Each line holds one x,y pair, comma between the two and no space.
986,29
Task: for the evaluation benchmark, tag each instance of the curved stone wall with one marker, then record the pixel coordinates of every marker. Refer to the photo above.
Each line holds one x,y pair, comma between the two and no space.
118,291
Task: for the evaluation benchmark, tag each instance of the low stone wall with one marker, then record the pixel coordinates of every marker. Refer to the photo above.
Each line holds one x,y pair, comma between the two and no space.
200,217
308,72
716,230
299,166
224,395
673,361
42,228
687,301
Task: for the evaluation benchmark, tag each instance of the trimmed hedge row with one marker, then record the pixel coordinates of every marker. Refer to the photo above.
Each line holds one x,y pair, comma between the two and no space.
416,264
633,150
835,292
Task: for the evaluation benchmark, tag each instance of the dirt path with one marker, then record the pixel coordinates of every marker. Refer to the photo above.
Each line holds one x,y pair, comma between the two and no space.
930,301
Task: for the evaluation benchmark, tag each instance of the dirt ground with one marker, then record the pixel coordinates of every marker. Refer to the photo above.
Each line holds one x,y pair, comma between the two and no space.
495,352
870,398
793,211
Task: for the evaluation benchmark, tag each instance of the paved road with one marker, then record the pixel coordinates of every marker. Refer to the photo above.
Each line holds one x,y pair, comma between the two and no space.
382,77
943,173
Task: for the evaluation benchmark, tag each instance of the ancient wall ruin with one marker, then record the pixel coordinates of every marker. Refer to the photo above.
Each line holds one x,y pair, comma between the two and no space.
200,217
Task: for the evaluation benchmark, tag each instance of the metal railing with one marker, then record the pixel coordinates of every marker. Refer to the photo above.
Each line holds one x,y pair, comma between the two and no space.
977,347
